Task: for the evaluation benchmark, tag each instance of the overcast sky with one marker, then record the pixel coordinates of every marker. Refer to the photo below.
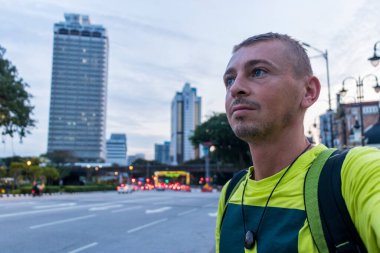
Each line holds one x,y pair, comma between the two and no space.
158,45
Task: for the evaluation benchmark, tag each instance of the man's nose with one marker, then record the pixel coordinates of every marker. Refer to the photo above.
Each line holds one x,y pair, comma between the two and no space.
240,87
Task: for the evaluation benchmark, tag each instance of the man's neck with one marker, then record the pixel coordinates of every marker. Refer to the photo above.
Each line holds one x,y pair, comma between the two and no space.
270,158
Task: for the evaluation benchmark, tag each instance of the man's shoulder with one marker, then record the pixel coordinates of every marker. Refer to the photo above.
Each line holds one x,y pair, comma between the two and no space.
362,156
361,164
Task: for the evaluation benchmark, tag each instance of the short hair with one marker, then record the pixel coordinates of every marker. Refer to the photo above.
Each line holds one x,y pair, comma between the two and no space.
300,58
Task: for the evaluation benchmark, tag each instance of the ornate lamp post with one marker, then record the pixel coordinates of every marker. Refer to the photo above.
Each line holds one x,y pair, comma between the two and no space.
359,93
375,59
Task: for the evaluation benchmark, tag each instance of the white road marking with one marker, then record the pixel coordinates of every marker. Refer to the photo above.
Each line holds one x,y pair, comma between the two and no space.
213,214
159,210
102,208
13,214
53,206
188,211
146,225
84,247
161,203
126,209
62,221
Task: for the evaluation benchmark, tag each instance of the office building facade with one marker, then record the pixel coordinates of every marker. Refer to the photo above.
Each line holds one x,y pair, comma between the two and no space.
185,117
162,152
117,149
77,120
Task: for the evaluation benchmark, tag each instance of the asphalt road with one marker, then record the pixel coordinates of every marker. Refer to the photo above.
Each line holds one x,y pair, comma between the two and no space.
140,222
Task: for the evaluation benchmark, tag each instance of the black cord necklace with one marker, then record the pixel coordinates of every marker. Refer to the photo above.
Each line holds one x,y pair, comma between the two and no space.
250,236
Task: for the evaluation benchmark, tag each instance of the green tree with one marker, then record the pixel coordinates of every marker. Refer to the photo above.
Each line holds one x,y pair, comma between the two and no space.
18,172
228,148
3,172
33,173
15,107
60,157
49,173
141,161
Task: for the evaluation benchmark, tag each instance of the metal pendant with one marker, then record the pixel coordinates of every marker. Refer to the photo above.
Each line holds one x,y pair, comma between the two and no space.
249,240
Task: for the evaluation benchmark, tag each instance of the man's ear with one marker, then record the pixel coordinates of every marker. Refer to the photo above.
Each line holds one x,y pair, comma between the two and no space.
312,90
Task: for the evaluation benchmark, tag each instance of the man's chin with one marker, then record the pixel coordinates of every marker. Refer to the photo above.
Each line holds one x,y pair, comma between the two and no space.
245,133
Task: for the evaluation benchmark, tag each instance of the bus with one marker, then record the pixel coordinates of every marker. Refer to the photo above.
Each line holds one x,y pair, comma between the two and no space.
172,180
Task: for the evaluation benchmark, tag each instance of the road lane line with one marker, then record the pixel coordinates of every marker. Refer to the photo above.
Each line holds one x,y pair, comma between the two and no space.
158,210
161,203
54,206
62,221
187,212
126,209
213,214
102,208
146,225
7,215
84,247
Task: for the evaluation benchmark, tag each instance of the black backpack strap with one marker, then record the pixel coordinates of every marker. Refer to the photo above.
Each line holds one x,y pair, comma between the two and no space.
231,187
340,233
329,220
237,177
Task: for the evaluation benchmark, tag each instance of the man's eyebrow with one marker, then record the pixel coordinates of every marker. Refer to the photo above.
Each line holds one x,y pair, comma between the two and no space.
250,64
256,62
229,71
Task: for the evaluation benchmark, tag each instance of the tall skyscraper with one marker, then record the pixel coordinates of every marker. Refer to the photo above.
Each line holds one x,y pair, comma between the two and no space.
185,116
77,120
162,152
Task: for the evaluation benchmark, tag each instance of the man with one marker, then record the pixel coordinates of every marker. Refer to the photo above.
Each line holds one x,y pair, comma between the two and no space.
269,86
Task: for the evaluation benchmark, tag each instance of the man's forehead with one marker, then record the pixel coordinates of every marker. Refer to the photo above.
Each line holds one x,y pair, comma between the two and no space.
269,50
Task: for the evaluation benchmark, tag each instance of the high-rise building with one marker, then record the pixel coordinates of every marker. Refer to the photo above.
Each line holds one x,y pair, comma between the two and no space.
77,120
185,117
117,149
162,152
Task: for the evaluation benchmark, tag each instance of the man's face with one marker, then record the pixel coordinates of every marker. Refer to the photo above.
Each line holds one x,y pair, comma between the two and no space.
263,96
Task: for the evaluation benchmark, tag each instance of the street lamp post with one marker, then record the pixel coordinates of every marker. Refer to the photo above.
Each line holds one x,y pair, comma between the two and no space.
359,94
207,148
324,54
130,173
375,59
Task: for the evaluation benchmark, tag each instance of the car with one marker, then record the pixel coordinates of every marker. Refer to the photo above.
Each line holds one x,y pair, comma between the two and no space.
206,188
124,188
161,187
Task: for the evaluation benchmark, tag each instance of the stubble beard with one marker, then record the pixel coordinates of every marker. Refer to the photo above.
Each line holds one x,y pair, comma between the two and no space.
256,133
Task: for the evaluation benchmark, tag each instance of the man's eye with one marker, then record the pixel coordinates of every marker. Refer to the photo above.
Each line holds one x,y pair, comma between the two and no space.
229,81
258,72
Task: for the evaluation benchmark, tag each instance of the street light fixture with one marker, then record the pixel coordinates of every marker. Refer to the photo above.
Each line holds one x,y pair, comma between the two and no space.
207,148
324,54
359,94
375,59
